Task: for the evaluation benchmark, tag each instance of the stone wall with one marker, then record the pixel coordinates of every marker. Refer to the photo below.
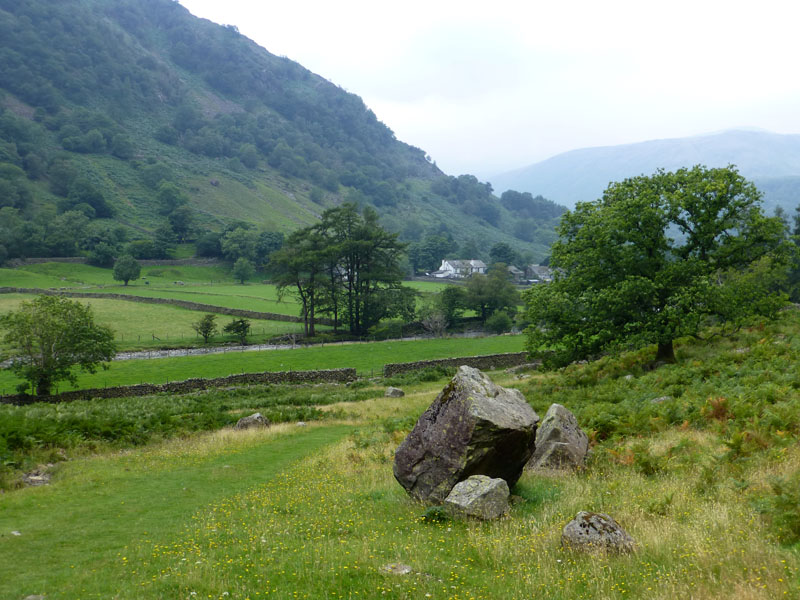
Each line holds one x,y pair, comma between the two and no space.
485,362
234,312
20,262
192,385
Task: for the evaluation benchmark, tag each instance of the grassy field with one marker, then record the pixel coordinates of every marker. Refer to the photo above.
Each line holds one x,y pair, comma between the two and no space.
206,285
367,358
143,326
258,297
706,479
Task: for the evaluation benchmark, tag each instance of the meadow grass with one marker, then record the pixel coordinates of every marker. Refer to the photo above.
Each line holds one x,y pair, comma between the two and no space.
75,533
367,358
205,285
281,515
143,326
46,433
256,297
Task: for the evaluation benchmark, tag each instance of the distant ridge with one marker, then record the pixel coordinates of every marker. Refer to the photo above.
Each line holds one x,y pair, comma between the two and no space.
772,160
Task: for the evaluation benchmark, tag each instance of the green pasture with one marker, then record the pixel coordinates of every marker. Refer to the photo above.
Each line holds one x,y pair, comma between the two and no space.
706,479
427,286
205,285
55,274
142,326
367,358
75,538
255,296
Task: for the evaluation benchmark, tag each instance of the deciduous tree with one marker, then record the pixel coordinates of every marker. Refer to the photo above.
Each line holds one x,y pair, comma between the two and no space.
206,326
240,328
126,268
48,337
655,259
243,270
492,292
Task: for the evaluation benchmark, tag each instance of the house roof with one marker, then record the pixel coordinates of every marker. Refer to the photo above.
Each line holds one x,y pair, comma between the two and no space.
466,264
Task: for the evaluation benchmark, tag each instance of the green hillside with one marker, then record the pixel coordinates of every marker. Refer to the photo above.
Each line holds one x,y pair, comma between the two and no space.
128,119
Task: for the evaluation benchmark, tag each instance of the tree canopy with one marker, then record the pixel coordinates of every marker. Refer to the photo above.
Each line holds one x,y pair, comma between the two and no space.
491,293
656,258
126,268
49,336
346,267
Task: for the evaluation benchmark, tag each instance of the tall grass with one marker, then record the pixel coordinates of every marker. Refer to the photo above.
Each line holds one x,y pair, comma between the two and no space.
705,481
41,433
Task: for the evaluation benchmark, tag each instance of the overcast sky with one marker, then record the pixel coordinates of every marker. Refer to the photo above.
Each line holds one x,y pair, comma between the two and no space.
485,87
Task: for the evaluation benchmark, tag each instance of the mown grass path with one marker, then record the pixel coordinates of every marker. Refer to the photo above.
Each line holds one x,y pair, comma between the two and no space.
74,536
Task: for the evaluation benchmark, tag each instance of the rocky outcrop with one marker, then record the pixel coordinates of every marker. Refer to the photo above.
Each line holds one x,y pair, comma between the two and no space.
560,442
474,427
479,496
253,421
393,392
596,532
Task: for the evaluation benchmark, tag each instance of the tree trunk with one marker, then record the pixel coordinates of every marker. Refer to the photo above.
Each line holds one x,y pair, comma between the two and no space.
666,352
43,387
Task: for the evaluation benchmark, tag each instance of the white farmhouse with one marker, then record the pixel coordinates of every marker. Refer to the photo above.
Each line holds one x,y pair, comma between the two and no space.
459,269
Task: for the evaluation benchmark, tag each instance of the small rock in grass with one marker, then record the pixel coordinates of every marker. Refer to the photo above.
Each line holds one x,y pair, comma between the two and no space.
17,533
254,420
34,597
479,496
393,392
301,423
596,532
36,478
661,399
396,569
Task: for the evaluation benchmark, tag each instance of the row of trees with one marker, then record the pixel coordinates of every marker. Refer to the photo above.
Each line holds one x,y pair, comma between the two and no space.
345,268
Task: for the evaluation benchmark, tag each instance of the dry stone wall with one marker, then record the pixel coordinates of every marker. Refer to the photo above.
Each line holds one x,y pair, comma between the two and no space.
485,362
192,385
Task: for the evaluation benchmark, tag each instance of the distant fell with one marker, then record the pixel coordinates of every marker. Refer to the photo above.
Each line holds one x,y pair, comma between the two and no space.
771,160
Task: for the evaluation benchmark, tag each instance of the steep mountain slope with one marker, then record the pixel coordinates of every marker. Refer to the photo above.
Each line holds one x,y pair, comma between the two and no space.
127,110
771,160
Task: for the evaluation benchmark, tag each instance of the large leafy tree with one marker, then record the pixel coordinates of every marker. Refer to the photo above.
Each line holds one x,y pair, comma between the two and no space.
656,258
490,293
126,268
48,337
346,266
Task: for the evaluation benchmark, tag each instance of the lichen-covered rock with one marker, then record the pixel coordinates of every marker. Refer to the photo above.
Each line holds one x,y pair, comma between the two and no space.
474,427
254,420
560,442
596,532
479,496
393,392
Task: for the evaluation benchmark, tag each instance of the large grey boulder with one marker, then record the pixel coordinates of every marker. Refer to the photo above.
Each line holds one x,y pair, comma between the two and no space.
254,420
560,442
393,392
474,427
596,532
479,496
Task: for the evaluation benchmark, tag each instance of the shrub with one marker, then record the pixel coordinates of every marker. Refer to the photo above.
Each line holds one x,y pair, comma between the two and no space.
499,322
782,508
